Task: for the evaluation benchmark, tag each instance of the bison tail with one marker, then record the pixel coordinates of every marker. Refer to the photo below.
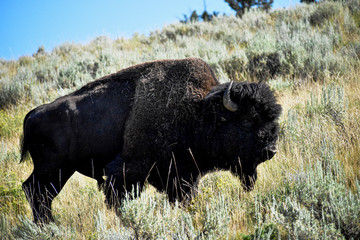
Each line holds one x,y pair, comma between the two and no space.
24,147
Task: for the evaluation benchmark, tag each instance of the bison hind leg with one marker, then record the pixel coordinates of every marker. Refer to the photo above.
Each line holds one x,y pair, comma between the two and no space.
40,190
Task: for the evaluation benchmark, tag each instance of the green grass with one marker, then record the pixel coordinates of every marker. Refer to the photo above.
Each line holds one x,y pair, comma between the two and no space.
310,190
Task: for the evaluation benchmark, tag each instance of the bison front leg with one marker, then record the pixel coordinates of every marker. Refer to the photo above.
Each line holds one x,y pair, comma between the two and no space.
41,189
248,180
121,178
113,186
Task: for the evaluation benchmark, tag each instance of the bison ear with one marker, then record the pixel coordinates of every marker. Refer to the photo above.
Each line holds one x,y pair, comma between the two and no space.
228,103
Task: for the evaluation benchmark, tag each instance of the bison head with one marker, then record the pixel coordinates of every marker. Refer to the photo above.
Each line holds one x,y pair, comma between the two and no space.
240,128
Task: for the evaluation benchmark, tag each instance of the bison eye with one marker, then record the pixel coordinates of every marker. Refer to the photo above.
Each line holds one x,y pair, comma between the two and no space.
262,134
256,119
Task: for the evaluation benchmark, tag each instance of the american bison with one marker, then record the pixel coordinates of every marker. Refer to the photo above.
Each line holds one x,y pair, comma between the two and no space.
163,122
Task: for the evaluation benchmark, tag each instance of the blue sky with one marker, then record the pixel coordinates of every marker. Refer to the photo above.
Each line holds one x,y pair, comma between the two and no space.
27,24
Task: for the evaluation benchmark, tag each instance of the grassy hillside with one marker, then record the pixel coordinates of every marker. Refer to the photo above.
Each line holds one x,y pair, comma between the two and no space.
310,55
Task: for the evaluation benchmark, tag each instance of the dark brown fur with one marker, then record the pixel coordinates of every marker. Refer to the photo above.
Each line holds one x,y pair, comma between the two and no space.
163,122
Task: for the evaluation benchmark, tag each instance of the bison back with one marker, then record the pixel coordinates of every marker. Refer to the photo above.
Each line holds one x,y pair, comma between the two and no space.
167,100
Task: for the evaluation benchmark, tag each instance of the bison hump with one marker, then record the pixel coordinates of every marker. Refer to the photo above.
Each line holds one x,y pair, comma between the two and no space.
166,102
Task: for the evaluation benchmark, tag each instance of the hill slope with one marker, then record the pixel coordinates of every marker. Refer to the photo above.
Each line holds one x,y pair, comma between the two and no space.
309,55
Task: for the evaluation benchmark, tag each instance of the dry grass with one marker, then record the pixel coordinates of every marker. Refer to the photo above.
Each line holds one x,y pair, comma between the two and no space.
80,205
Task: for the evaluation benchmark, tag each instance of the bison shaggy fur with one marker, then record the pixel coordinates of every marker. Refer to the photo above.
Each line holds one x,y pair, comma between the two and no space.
165,122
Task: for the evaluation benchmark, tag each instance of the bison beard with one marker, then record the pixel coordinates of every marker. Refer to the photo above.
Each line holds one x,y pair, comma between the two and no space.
163,122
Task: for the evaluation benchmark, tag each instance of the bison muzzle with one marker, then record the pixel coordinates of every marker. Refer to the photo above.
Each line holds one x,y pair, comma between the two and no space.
163,122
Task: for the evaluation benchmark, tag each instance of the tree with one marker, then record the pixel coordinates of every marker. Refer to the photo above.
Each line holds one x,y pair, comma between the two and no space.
195,17
240,6
308,1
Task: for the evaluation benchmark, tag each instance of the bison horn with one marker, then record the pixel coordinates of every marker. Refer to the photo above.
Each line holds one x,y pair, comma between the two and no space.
228,103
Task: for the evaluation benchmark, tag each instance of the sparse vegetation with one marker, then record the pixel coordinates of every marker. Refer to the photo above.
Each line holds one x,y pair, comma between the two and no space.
310,190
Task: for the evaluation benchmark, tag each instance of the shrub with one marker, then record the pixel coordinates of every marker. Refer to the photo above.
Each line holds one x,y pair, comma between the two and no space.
314,203
235,66
77,72
10,123
264,60
27,229
16,88
324,12
332,103
267,231
307,54
279,84
46,70
25,61
11,195
298,13
264,66
151,216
